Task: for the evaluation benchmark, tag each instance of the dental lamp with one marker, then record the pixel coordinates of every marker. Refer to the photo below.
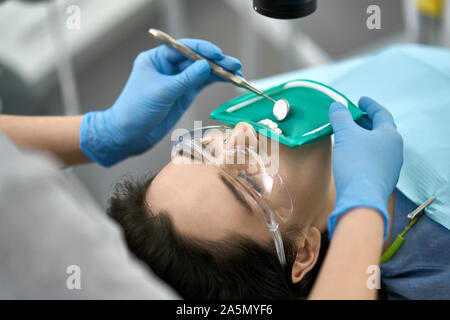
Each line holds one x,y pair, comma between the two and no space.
285,9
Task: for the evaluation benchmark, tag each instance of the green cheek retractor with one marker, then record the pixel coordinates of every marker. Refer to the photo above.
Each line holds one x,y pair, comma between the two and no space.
307,120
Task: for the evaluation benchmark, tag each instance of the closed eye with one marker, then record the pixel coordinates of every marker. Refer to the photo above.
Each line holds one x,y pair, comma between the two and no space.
237,193
252,183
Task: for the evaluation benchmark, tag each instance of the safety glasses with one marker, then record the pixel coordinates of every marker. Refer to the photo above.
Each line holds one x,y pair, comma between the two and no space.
244,166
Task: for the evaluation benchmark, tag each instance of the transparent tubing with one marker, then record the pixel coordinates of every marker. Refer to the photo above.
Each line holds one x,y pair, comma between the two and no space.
279,245
277,239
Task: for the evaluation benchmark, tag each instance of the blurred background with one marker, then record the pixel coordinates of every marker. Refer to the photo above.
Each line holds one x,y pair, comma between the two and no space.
74,56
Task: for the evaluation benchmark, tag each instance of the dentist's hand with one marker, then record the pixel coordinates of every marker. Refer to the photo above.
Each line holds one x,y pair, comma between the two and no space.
162,85
366,159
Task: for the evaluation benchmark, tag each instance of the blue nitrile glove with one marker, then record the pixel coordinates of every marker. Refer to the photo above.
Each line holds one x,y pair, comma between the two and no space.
366,159
162,85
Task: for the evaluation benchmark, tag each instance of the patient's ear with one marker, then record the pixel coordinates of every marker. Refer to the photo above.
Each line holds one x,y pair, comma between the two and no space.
307,254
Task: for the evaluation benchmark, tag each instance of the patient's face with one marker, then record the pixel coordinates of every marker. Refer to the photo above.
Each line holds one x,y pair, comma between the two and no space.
204,204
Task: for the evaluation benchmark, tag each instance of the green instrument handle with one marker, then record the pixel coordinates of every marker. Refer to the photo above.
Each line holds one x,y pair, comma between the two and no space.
397,243
387,255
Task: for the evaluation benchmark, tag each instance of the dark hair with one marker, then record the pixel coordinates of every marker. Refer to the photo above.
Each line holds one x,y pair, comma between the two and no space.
235,268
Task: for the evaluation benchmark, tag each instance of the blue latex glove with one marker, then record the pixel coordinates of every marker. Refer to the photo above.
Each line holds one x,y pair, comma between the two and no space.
162,85
367,159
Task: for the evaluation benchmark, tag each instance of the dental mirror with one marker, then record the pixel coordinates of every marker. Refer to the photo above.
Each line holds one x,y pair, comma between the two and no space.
281,109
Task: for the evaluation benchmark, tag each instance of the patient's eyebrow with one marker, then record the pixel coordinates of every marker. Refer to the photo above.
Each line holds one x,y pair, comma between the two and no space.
237,194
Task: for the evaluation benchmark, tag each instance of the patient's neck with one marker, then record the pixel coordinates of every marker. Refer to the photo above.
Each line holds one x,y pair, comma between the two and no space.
315,209
309,179
325,207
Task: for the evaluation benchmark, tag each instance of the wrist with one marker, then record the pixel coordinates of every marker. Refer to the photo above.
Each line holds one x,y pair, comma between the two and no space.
364,224
96,140
345,205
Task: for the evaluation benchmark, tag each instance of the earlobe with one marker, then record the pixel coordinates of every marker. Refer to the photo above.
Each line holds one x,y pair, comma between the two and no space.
307,253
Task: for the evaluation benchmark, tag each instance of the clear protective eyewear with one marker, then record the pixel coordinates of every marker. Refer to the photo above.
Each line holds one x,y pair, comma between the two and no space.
245,168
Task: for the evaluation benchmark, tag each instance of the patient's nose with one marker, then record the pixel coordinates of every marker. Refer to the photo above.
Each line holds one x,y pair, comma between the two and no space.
244,135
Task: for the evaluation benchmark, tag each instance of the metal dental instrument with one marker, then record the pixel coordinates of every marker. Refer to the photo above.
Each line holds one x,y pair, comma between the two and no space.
419,209
281,107
413,217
